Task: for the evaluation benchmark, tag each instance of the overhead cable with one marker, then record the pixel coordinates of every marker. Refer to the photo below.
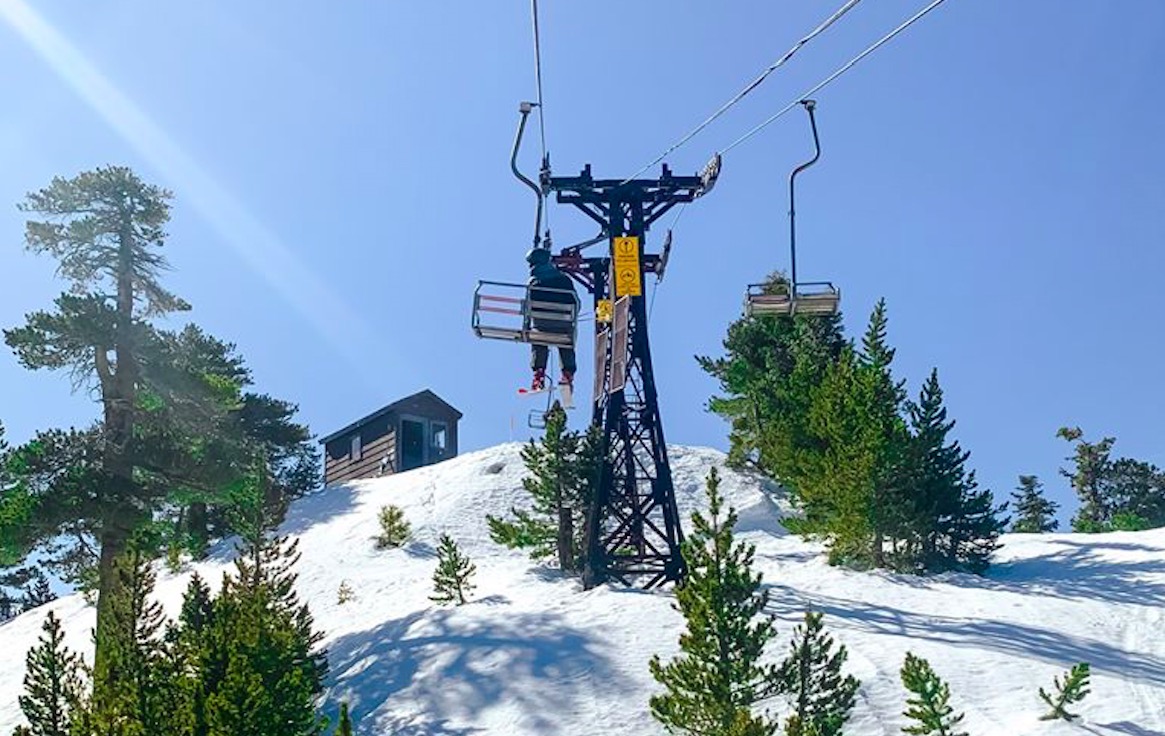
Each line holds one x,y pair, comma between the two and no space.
841,70
752,85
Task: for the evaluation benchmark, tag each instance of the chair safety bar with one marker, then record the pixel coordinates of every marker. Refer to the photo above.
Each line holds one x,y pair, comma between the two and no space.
507,311
810,298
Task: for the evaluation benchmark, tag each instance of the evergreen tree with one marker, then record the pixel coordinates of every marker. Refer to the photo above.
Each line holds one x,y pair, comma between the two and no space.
264,670
1091,463
38,592
974,536
52,683
561,476
1035,514
711,687
8,605
811,677
957,525
345,727
199,671
104,228
452,578
771,366
1136,490
1071,690
394,528
929,708
137,693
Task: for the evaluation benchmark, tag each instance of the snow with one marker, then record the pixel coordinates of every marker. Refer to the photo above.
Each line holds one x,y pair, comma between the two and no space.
534,654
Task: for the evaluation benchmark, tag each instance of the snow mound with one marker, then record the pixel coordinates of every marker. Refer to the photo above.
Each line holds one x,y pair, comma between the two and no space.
534,654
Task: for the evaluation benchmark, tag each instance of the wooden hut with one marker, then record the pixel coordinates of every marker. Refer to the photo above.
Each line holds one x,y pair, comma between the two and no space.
417,430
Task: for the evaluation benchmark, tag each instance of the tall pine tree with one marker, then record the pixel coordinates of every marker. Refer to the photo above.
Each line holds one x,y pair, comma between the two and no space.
1034,513
712,686
105,228
53,690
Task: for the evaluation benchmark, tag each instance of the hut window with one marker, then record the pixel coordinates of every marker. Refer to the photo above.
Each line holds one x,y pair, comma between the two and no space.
356,455
440,437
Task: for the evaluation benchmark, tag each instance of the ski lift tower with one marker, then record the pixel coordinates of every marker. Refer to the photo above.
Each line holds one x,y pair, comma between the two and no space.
633,525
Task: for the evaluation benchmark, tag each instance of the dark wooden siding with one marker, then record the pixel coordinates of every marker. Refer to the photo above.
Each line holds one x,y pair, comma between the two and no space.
377,439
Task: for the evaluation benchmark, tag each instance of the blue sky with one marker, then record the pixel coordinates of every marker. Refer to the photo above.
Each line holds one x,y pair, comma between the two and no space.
341,180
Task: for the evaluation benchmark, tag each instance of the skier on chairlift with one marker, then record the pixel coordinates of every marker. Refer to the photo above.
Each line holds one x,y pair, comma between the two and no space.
558,288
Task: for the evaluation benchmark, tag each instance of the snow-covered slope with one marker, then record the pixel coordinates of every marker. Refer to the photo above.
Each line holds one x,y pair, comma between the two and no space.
534,654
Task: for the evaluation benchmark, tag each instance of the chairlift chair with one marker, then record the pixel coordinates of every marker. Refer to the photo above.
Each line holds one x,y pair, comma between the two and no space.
813,298
506,311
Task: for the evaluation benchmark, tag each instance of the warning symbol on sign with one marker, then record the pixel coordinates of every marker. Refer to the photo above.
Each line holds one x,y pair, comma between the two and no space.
626,266
604,310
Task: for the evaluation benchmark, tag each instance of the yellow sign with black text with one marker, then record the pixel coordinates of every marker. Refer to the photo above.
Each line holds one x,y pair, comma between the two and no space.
626,267
604,310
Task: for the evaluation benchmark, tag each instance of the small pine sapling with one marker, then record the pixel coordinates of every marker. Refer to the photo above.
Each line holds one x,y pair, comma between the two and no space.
1071,690
811,678
52,683
451,579
394,528
345,594
929,708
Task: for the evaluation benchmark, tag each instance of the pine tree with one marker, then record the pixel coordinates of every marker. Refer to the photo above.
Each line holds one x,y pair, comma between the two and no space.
8,606
345,727
38,592
974,535
711,687
811,677
561,474
771,367
956,524
1072,689
452,578
1091,463
264,666
929,707
199,672
138,691
52,683
394,528
1035,514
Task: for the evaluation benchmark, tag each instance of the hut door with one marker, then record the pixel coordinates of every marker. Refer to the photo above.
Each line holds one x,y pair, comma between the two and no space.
412,447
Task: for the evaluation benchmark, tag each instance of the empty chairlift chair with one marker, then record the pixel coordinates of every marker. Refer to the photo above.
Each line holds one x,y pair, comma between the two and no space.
815,298
811,298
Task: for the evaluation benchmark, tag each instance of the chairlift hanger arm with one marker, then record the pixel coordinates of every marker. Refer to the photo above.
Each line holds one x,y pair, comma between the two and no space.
809,107
524,109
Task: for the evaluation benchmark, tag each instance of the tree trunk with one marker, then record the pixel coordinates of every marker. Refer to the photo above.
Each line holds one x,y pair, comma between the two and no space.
565,539
196,529
113,544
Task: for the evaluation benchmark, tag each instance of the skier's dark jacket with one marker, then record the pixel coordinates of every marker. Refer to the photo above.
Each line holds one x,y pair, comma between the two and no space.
548,276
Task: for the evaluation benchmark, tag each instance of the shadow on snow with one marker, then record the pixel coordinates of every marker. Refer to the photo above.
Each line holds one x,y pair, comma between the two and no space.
450,668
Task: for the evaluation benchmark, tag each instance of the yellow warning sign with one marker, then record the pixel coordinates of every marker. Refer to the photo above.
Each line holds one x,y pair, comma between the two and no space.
626,267
604,310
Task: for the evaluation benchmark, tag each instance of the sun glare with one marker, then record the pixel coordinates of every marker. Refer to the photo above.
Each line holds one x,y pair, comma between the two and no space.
335,322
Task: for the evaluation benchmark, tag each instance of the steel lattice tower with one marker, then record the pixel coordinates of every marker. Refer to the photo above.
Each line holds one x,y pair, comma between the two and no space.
633,525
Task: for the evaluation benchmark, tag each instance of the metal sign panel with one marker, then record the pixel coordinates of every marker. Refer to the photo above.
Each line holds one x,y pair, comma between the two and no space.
619,344
626,267
600,363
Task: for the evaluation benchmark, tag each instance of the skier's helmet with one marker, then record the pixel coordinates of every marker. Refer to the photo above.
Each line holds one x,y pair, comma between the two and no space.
537,256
